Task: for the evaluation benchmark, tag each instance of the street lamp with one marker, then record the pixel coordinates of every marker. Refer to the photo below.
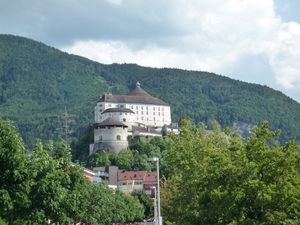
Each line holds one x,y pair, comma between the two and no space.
155,159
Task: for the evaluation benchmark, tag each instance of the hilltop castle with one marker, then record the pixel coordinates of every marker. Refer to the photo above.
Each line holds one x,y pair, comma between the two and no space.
118,116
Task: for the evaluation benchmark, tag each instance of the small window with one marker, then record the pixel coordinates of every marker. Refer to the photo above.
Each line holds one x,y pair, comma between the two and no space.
162,109
158,108
154,113
131,107
154,119
124,119
137,107
147,107
142,107
153,108
159,113
118,137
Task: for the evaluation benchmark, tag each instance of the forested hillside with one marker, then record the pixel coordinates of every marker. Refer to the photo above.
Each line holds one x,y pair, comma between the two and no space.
37,82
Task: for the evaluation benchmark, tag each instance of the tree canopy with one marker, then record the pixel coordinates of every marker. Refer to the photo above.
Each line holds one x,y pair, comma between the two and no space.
47,187
223,179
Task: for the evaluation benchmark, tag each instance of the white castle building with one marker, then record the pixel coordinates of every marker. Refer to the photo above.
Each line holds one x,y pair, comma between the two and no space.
118,116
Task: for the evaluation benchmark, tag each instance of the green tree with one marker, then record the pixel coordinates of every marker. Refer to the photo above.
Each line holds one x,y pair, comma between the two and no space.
146,201
227,180
14,173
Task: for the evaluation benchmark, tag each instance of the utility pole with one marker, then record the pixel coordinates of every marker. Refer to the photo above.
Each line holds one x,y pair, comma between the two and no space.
64,120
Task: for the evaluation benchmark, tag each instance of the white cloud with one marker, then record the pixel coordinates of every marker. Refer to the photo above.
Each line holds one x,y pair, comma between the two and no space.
210,36
285,56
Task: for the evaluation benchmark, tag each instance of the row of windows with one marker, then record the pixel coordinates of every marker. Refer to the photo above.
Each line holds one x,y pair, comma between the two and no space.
142,107
137,107
130,183
117,138
124,119
137,112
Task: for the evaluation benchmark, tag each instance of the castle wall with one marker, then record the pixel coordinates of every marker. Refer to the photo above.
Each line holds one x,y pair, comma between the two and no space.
109,138
148,114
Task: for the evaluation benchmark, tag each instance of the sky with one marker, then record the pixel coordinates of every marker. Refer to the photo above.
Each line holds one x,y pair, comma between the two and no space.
256,41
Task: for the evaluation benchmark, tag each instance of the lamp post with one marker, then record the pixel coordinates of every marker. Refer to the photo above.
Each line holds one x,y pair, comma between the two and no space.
155,210
155,159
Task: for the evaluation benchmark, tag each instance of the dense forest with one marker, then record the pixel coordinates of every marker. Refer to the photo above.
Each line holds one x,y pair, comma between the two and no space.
38,82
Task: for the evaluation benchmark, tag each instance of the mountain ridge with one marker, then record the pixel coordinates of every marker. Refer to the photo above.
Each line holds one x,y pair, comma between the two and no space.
38,81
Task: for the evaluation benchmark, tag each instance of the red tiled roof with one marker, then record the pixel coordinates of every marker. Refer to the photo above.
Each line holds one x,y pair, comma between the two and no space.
132,175
151,177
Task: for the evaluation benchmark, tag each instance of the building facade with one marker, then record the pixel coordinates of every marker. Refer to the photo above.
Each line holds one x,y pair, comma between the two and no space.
128,181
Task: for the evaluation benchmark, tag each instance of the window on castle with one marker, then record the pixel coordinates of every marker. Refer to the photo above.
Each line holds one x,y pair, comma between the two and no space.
153,108
124,119
153,113
158,108
147,107
154,118
163,114
118,137
137,107
147,113
142,112
159,113
162,109
142,107
131,107
100,138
